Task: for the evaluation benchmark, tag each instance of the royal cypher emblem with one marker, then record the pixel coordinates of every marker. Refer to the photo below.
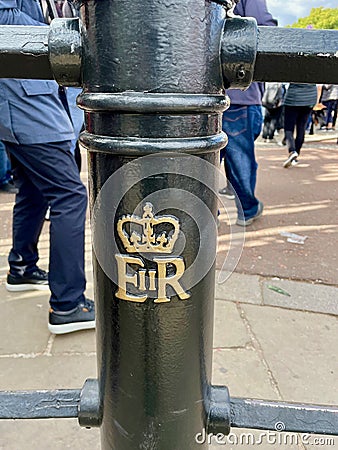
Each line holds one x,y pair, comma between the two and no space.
149,234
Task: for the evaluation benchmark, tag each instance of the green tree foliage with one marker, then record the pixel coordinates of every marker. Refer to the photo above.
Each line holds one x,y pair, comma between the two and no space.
320,19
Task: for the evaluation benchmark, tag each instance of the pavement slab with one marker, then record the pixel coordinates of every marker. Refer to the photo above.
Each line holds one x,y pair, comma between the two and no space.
47,372
300,350
229,330
47,434
299,295
25,329
243,372
239,287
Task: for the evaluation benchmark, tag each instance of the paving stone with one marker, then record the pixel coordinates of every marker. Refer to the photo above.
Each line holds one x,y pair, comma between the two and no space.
46,372
239,288
243,372
24,326
303,296
6,296
57,434
301,350
229,330
79,342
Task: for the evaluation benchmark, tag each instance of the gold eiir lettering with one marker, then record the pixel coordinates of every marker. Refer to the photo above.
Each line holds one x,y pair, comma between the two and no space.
149,242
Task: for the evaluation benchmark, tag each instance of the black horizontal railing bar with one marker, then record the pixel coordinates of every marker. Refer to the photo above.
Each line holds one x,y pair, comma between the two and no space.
282,416
283,54
236,412
42,404
244,412
296,55
24,52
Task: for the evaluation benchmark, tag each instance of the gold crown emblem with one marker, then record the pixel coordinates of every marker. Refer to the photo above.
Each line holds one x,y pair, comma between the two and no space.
148,240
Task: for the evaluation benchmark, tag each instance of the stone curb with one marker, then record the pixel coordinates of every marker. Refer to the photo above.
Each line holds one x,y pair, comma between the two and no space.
269,291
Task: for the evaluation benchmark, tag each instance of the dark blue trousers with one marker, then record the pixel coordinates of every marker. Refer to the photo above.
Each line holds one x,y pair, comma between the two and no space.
47,175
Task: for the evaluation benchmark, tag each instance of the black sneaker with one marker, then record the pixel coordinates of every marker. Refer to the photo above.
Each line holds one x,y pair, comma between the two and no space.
35,281
227,193
9,188
246,222
80,318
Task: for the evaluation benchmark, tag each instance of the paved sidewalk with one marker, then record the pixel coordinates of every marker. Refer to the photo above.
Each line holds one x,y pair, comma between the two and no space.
301,200
276,336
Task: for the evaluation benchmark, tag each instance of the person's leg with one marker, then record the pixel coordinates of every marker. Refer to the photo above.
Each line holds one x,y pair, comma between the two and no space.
6,179
28,218
335,111
273,122
3,164
266,124
290,118
52,170
242,124
302,118
280,122
255,126
312,122
329,113
309,123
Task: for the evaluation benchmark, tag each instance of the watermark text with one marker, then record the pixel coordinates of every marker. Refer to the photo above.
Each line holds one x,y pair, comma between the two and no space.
264,437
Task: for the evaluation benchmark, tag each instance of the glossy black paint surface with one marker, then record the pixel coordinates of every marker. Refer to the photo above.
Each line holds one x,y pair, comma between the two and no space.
152,84
298,55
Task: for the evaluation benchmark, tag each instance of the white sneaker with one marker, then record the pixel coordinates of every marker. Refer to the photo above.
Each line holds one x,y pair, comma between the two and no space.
292,157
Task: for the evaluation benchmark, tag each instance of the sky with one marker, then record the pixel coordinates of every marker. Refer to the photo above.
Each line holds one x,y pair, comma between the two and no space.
288,12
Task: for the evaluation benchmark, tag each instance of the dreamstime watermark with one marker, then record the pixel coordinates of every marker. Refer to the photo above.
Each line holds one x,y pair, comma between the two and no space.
264,438
184,241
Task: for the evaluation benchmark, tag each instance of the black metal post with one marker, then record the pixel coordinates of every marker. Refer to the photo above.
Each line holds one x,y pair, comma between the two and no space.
152,84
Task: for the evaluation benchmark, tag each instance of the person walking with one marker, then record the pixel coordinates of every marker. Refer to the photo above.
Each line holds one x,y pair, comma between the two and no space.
38,134
272,101
329,98
242,122
298,104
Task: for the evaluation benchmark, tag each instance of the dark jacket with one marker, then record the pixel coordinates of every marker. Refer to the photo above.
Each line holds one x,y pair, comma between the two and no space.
257,9
30,110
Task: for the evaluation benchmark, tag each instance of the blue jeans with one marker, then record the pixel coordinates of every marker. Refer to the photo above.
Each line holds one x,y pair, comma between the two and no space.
242,124
331,105
5,166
